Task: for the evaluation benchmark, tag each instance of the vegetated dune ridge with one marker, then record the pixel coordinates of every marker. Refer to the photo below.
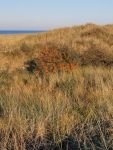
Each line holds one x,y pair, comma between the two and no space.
56,89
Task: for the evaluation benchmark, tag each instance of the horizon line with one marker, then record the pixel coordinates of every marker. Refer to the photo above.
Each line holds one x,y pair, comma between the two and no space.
57,27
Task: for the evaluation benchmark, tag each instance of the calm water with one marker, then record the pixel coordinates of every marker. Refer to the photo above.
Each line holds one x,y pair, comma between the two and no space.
18,32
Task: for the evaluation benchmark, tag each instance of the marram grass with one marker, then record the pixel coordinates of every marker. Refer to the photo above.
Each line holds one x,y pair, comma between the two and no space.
59,110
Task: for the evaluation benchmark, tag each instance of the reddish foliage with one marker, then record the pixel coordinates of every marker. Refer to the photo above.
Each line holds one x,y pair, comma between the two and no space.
53,60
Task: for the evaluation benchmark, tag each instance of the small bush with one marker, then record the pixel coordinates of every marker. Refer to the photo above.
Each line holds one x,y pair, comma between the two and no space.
96,57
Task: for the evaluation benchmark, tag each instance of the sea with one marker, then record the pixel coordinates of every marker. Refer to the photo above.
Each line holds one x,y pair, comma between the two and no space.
19,31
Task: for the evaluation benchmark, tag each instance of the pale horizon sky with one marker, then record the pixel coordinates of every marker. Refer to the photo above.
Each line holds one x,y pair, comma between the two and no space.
49,14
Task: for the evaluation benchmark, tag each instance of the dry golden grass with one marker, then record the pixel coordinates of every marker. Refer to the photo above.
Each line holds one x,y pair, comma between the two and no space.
61,109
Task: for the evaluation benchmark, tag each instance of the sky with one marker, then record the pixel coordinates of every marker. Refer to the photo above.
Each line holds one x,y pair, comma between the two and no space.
49,14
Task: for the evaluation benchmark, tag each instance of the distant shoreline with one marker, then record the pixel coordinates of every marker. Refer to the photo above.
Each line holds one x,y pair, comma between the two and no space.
10,32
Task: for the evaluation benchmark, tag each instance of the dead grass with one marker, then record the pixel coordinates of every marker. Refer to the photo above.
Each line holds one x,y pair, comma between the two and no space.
68,108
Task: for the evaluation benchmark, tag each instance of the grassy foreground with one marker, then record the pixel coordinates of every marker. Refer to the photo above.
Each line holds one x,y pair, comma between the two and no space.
56,89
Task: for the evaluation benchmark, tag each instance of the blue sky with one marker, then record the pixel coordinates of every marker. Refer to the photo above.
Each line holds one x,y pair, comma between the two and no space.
49,14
